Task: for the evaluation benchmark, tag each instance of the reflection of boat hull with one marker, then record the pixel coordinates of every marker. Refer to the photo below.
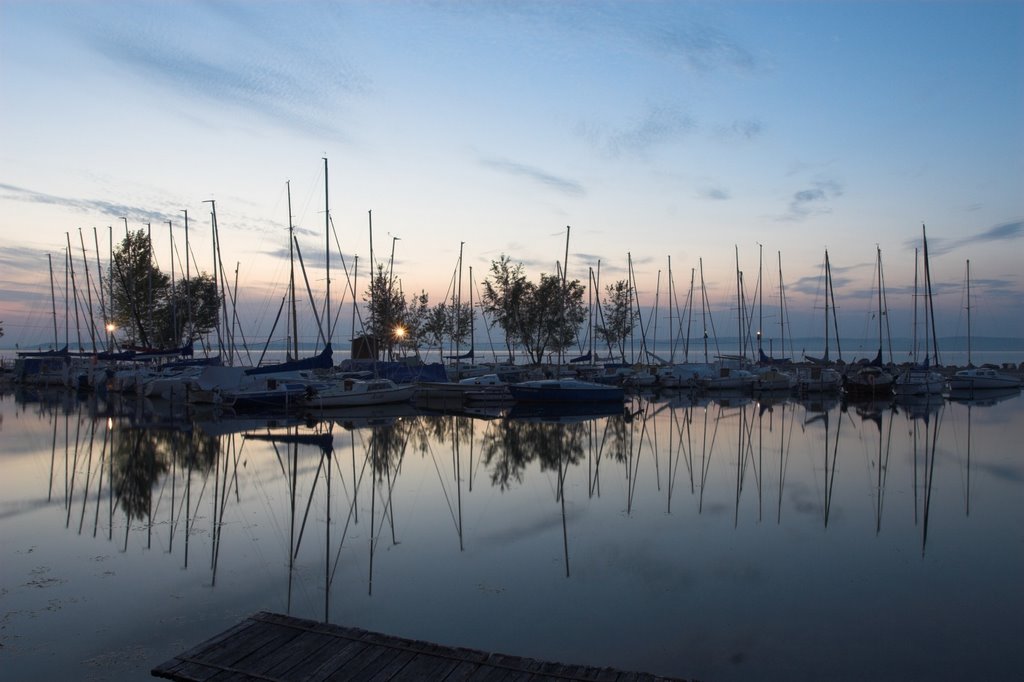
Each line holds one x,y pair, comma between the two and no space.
566,391
564,411
989,396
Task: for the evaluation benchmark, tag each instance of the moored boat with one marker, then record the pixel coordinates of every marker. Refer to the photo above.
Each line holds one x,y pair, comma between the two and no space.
982,378
350,392
565,390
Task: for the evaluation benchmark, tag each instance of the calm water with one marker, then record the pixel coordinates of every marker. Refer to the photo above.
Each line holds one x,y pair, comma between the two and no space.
718,540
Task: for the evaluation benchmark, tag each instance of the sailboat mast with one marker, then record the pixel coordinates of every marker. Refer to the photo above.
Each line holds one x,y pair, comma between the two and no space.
703,308
968,313
760,298
110,284
53,303
931,303
914,343
174,299
671,305
782,308
218,273
74,290
831,294
99,275
739,303
828,287
88,289
565,285
188,276
689,319
472,315
458,317
149,278
327,249
291,277
878,258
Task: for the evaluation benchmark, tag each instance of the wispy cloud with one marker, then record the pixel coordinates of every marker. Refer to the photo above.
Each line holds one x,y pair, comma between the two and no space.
744,129
541,177
703,47
813,200
658,125
997,233
21,259
842,277
714,193
671,29
100,206
299,87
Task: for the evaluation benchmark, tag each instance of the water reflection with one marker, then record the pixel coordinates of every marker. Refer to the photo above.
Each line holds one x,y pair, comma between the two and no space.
128,458
393,499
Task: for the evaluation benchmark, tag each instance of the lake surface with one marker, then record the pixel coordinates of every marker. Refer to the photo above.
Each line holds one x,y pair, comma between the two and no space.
721,539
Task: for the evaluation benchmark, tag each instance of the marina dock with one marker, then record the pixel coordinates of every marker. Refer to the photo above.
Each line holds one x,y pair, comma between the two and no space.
270,646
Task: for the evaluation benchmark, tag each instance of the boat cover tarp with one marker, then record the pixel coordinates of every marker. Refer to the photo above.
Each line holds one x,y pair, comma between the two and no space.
766,360
399,372
322,361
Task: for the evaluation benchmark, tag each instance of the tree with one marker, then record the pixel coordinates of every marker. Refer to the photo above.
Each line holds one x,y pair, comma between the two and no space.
504,291
148,309
619,316
1,327
549,316
432,326
388,311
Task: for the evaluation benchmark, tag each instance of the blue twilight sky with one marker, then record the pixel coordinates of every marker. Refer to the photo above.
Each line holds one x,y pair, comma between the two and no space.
657,130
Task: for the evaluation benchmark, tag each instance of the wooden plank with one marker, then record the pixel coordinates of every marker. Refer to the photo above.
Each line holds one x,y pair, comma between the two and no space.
460,673
387,670
308,648
178,669
269,646
326,665
208,662
370,656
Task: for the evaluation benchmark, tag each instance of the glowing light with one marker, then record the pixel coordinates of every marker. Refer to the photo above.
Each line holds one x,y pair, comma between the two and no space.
399,332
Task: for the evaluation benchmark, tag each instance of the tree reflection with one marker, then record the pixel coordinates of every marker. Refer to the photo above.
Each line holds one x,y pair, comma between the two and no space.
140,457
508,450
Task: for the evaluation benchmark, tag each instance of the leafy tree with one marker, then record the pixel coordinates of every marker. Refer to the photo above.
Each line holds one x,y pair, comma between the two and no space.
417,321
550,314
148,309
138,287
619,316
193,309
504,291
1,327
432,326
388,311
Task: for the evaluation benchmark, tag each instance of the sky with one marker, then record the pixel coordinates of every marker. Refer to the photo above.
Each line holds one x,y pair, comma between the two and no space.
665,135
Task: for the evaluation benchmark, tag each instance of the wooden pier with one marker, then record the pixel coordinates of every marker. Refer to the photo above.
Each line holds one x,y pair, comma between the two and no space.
269,646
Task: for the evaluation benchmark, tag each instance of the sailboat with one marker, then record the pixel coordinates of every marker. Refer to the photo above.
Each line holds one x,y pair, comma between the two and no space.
871,380
965,382
770,375
821,377
920,378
